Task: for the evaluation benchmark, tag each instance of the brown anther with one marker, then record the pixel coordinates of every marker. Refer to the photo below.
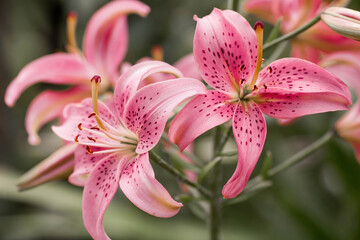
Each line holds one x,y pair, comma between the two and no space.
76,138
242,80
72,14
242,67
269,69
95,128
255,88
91,115
265,86
79,126
96,78
92,139
88,149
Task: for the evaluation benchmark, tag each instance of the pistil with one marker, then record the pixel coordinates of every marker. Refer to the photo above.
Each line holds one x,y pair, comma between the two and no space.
259,30
71,21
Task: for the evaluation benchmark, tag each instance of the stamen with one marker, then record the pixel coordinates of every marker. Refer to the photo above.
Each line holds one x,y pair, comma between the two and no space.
79,126
157,53
71,21
91,115
95,82
88,149
95,128
91,139
76,138
259,30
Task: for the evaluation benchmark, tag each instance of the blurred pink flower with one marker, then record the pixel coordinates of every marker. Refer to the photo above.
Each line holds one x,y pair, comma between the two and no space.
104,47
115,140
346,66
228,53
312,43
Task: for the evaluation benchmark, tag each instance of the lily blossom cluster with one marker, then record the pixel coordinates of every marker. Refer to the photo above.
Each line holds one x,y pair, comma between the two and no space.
112,116
116,137
228,53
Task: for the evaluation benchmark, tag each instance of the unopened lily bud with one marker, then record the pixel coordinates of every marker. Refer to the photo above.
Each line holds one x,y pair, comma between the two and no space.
343,21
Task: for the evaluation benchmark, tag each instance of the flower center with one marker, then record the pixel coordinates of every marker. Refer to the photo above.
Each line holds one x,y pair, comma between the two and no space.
110,138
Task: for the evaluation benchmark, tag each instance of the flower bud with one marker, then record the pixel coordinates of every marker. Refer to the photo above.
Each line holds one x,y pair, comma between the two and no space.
343,21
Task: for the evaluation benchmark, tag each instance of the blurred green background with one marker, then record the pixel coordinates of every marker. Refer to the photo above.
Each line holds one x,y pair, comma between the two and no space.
317,199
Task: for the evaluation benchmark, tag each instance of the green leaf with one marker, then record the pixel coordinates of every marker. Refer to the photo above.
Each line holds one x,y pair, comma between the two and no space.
275,31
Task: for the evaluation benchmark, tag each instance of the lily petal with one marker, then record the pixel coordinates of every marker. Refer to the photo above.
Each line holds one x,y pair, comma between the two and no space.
84,164
348,128
49,105
297,87
106,35
231,56
128,83
261,8
57,68
79,116
58,165
344,65
188,67
199,115
249,129
100,188
148,110
140,186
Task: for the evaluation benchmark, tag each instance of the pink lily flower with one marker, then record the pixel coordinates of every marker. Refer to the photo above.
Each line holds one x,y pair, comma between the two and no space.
104,47
228,53
348,127
346,66
312,43
115,140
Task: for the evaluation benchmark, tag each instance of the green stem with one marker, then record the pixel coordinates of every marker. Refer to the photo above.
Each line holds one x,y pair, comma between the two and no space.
301,155
219,146
233,4
292,34
215,201
255,184
161,162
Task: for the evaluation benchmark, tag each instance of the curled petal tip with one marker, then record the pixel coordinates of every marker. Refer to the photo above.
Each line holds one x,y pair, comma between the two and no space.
195,17
34,139
96,78
258,24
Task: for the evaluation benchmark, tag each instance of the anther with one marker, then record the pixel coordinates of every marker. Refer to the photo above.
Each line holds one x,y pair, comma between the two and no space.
269,69
242,67
91,139
95,128
91,115
157,53
76,138
88,149
79,126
